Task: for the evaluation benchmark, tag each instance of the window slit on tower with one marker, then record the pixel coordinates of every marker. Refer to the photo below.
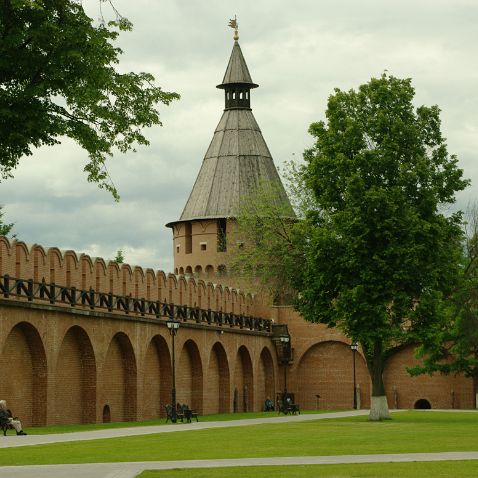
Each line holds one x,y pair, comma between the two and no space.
189,238
221,235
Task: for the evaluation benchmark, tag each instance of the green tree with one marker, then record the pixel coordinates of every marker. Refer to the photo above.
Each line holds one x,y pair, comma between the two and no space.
58,77
119,257
374,254
5,229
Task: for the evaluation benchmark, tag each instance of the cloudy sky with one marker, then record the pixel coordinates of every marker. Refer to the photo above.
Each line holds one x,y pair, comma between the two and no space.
298,52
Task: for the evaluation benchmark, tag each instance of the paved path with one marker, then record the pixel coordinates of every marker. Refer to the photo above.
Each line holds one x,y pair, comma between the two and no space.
132,469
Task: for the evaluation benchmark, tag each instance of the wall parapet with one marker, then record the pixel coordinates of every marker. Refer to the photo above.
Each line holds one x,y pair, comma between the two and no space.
17,289
53,266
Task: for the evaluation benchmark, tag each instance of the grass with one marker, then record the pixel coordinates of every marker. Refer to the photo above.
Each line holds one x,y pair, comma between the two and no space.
103,426
408,432
442,469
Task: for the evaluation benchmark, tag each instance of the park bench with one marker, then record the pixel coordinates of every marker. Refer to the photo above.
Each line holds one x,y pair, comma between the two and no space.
288,408
5,425
169,414
189,414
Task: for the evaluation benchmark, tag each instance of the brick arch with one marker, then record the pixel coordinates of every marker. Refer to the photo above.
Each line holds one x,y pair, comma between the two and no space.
75,379
119,379
243,381
403,391
189,376
265,378
326,369
24,385
156,378
218,381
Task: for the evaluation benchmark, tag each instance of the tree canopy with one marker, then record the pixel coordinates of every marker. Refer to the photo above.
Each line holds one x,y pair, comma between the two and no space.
375,253
59,77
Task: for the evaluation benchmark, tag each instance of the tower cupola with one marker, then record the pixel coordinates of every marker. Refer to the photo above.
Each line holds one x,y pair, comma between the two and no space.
237,82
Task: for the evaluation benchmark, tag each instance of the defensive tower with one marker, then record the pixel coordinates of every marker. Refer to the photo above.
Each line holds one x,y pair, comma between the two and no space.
236,163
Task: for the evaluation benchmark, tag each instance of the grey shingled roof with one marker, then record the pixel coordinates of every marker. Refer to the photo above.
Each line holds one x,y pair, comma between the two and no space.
237,160
237,71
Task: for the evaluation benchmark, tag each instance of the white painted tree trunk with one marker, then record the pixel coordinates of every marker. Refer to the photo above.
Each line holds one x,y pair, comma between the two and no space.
379,409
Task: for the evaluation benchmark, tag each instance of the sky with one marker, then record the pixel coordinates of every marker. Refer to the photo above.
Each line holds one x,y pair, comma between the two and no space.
297,52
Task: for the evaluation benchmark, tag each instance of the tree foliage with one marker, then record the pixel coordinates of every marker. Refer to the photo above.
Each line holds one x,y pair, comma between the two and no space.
265,248
119,258
375,254
58,77
5,229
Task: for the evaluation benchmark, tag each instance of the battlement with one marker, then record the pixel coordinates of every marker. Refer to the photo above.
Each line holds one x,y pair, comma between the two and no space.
81,271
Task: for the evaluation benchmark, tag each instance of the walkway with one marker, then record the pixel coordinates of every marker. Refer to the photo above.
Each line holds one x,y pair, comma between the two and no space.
132,469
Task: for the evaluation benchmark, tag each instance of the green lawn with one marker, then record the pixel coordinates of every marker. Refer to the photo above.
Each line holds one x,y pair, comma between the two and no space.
442,469
407,432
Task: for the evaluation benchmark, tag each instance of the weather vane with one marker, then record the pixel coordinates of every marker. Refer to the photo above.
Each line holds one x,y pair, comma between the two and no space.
233,24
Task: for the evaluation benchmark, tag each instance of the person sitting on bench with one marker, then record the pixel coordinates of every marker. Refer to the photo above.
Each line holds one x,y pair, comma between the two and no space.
268,405
6,415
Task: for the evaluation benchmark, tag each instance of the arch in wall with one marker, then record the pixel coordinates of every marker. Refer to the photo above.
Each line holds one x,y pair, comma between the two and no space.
189,270
218,381
181,270
209,271
326,369
75,379
265,378
442,391
119,379
189,376
422,404
198,270
24,386
157,378
106,414
244,380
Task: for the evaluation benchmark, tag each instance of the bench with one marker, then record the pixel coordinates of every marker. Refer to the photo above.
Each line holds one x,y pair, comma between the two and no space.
5,425
189,414
169,414
291,408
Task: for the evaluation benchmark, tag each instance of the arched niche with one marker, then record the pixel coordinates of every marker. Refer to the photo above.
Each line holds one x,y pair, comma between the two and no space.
24,385
75,379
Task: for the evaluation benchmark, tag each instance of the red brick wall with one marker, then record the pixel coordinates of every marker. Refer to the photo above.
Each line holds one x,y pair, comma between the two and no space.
440,391
326,369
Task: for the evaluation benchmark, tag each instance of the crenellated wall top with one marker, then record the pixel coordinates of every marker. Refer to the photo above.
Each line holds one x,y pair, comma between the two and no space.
71,269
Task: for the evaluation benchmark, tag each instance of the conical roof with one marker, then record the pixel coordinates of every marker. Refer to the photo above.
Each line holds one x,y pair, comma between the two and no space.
237,161
237,71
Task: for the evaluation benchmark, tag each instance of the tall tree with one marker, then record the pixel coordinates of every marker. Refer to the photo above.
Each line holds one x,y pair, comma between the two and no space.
58,77
375,254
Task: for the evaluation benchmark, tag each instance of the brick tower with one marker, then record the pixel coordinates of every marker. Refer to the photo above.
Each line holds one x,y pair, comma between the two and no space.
236,162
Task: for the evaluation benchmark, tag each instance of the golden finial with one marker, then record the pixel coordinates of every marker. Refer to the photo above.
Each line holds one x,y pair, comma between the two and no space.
233,24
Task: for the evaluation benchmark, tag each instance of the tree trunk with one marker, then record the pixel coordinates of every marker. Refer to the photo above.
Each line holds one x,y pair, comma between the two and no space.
379,404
